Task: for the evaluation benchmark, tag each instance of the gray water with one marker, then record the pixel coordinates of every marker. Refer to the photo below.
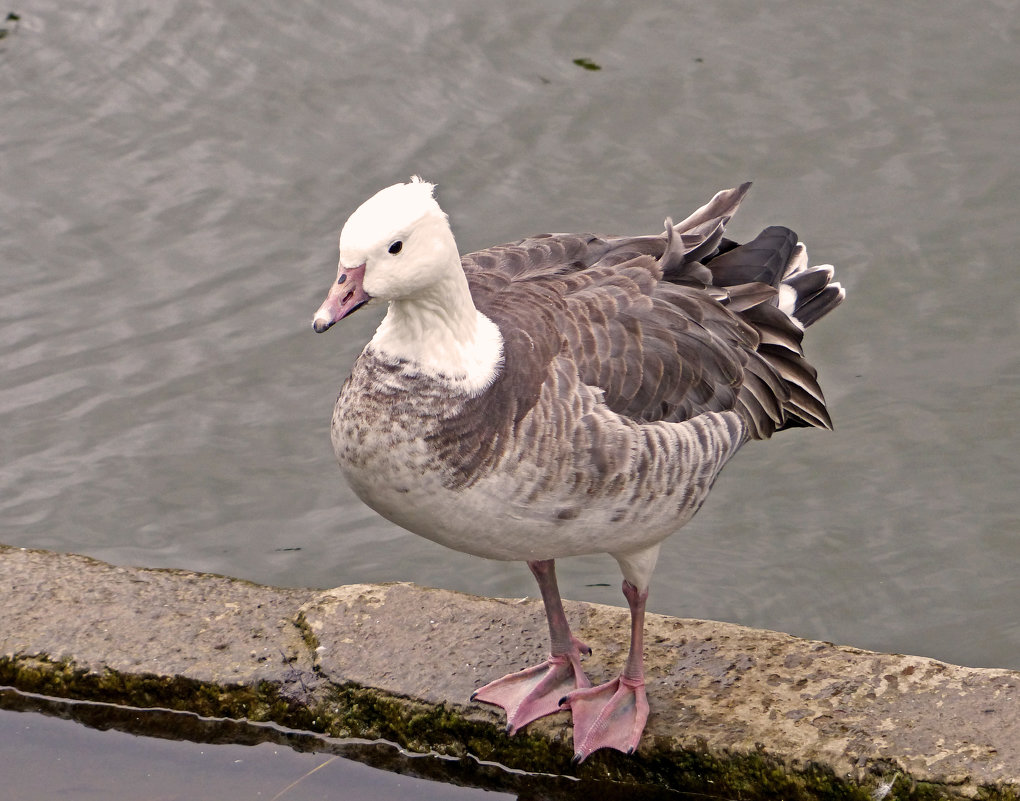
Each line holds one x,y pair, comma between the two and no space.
173,176
44,757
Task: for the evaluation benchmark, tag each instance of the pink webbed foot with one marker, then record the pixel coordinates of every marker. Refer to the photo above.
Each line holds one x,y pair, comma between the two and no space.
612,715
536,691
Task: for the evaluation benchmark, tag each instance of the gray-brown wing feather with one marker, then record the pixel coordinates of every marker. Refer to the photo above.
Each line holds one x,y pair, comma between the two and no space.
667,326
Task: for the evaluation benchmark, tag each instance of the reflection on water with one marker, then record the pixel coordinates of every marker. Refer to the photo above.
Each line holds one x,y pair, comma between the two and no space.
174,175
114,755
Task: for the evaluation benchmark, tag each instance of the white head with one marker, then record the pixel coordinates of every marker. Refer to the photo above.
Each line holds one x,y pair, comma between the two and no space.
396,245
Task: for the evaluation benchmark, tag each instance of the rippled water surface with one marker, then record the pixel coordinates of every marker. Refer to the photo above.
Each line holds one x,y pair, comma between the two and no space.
173,175
44,757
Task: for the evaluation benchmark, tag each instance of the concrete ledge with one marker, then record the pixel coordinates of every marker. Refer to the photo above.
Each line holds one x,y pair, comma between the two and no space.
735,712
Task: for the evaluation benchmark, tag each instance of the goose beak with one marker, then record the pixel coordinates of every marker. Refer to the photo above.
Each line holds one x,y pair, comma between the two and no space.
345,296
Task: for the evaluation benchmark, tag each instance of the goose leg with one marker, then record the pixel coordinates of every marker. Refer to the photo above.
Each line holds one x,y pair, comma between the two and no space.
536,691
613,715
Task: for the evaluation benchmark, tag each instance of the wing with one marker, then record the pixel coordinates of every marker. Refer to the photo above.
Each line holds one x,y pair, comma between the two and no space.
638,316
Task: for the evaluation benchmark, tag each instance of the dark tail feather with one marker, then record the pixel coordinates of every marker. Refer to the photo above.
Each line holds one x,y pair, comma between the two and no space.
815,307
808,293
770,284
762,260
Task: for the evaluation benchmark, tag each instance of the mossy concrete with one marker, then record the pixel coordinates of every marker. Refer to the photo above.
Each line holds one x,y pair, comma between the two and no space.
735,712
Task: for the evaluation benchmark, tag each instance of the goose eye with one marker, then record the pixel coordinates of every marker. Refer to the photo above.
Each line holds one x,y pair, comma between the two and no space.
396,247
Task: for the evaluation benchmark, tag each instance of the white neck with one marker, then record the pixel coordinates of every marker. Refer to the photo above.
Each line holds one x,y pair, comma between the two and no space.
441,333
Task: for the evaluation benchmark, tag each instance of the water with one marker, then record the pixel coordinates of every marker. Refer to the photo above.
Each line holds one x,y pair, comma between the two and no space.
123,752
45,757
173,176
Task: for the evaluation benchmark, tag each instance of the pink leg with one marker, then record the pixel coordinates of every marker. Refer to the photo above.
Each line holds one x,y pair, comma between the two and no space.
536,691
613,715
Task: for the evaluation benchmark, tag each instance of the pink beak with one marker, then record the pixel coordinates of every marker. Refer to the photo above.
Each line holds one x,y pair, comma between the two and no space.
345,296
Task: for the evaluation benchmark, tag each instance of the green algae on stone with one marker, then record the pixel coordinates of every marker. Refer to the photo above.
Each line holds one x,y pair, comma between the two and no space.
307,635
355,711
64,679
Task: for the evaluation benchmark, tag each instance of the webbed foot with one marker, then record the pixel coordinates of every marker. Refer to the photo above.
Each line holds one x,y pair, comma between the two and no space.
536,691
612,715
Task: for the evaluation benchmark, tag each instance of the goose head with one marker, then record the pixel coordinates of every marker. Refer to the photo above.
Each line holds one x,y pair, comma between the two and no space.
396,246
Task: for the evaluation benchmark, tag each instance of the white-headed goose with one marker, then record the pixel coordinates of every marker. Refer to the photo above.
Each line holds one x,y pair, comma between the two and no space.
566,394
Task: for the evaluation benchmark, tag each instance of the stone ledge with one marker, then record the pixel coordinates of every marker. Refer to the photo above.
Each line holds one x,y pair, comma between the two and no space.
736,712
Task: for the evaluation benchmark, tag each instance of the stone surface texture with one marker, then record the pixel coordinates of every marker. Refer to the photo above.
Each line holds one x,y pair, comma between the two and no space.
736,710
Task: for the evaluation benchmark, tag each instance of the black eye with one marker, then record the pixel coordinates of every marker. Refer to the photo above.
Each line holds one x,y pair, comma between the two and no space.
396,247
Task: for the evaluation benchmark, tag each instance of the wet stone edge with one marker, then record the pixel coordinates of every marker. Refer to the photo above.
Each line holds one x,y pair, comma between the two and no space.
353,711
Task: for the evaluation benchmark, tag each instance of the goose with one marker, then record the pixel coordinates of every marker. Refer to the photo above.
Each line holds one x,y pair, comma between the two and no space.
566,394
